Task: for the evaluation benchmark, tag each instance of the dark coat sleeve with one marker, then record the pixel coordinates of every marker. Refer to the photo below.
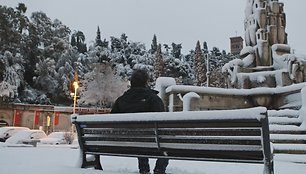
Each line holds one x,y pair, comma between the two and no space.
156,104
115,108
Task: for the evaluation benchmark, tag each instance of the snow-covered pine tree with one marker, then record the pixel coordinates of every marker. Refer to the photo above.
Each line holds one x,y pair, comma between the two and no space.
10,27
79,41
98,41
176,50
200,69
127,55
205,47
101,86
46,77
159,63
12,75
69,62
154,45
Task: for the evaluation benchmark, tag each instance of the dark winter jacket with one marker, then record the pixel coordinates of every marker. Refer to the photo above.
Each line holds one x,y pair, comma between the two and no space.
138,100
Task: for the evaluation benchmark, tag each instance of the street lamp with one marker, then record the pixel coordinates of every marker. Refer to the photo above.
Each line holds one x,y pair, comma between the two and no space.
75,86
207,72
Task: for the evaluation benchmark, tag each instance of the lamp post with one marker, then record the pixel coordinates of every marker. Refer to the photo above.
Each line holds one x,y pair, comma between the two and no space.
207,72
75,86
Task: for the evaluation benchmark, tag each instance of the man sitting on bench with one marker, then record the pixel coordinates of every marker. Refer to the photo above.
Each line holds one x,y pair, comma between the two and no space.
139,98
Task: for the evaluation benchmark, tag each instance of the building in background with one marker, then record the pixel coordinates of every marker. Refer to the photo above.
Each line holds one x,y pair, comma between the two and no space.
236,44
46,117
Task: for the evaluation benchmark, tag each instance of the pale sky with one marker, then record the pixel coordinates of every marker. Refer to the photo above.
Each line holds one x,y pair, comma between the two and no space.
178,21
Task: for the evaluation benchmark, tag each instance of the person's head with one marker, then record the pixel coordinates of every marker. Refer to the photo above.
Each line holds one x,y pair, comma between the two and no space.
139,78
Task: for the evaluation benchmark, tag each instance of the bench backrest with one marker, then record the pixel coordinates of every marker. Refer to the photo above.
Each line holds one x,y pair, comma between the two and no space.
232,135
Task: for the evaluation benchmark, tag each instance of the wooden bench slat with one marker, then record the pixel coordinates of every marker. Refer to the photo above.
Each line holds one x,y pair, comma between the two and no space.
121,131
122,144
118,139
225,147
250,156
251,138
175,131
175,124
246,155
211,132
123,151
211,141
195,140
174,137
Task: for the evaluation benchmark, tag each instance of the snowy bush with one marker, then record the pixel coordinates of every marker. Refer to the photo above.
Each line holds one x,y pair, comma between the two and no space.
69,137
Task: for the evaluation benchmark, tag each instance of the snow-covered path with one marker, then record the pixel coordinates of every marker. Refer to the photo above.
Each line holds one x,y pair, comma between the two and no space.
64,160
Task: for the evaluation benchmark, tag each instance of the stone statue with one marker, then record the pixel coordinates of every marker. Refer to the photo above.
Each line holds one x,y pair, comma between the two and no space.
266,50
264,26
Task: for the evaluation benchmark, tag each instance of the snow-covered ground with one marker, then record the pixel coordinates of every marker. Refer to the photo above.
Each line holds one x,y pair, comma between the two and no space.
64,160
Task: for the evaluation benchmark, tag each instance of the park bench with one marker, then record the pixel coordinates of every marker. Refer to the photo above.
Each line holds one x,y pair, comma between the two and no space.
240,136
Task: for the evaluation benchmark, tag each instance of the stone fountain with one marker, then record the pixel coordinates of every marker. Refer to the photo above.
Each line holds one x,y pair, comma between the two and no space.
266,60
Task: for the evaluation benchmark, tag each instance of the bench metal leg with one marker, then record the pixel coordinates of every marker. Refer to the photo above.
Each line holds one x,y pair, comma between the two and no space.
94,162
268,168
